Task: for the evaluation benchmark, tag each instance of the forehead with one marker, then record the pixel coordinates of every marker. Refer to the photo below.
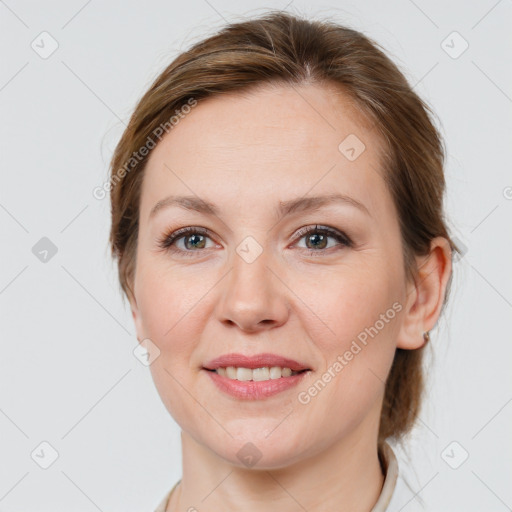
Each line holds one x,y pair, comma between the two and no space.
275,141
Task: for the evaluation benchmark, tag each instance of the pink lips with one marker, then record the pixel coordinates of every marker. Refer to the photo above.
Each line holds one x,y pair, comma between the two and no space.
254,390
256,361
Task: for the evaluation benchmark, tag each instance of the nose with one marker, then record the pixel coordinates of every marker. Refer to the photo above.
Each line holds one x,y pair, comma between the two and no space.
253,296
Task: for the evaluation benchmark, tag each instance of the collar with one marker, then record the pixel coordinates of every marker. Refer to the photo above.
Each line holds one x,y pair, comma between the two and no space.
390,468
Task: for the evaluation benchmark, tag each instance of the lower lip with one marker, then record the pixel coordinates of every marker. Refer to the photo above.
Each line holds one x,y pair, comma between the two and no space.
254,390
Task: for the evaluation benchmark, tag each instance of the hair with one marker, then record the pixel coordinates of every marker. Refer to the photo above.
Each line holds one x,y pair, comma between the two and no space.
281,48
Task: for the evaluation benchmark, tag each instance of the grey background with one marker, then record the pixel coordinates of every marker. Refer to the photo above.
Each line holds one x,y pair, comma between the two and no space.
67,372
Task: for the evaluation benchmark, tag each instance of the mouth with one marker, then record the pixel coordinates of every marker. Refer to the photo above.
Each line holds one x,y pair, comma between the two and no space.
255,377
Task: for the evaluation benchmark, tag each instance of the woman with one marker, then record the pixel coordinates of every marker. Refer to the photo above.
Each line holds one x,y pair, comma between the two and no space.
277,218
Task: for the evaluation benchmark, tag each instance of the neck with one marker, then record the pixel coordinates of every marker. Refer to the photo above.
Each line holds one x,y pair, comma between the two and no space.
345,476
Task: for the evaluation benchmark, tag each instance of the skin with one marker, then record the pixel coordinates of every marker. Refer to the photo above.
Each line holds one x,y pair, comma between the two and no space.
246,152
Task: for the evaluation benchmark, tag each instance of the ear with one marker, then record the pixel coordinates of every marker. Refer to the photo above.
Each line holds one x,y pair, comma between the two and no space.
426,294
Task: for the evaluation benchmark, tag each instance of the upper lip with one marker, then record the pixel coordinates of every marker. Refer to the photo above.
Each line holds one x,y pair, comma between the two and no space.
255,361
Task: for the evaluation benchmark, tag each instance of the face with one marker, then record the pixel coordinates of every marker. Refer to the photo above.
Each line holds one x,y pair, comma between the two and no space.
321,283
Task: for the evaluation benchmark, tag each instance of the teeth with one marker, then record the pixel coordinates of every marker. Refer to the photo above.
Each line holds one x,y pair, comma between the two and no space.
275,372
258,374
243,374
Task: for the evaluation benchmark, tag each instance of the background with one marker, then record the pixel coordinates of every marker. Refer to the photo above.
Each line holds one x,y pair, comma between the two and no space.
81,425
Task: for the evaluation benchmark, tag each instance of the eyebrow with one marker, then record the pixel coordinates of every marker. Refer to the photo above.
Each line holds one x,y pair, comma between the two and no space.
301,204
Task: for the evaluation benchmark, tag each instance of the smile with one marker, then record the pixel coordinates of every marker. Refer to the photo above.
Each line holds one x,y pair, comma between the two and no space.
256,374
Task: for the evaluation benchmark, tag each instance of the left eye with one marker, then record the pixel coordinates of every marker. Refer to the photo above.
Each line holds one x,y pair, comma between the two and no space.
317,237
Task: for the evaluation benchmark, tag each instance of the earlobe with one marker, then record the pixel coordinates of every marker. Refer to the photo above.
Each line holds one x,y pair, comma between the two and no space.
425,295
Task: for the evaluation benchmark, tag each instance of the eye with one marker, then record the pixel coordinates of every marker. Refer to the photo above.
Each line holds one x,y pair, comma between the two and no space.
194,239
317,238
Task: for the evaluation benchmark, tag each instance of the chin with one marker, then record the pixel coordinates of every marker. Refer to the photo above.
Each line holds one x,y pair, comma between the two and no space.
279,450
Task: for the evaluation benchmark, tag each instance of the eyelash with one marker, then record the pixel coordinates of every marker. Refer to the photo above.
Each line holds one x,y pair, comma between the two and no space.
167,241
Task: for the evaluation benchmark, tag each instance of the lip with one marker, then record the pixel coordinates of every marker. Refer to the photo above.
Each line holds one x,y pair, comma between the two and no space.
255,361
254,390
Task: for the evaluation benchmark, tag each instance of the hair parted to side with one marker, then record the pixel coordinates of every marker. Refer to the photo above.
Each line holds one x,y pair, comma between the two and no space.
282,48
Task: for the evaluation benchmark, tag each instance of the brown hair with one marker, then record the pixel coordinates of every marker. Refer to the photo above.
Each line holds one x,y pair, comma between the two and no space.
282,48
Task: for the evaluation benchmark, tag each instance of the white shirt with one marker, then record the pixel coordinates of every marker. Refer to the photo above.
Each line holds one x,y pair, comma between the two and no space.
388,499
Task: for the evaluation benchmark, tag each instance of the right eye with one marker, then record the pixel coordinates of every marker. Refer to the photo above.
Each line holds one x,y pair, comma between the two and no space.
194,239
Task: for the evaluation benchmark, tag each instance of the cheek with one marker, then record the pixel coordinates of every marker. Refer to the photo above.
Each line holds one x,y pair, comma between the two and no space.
173,315
358,319
349,300
169,303
358,357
